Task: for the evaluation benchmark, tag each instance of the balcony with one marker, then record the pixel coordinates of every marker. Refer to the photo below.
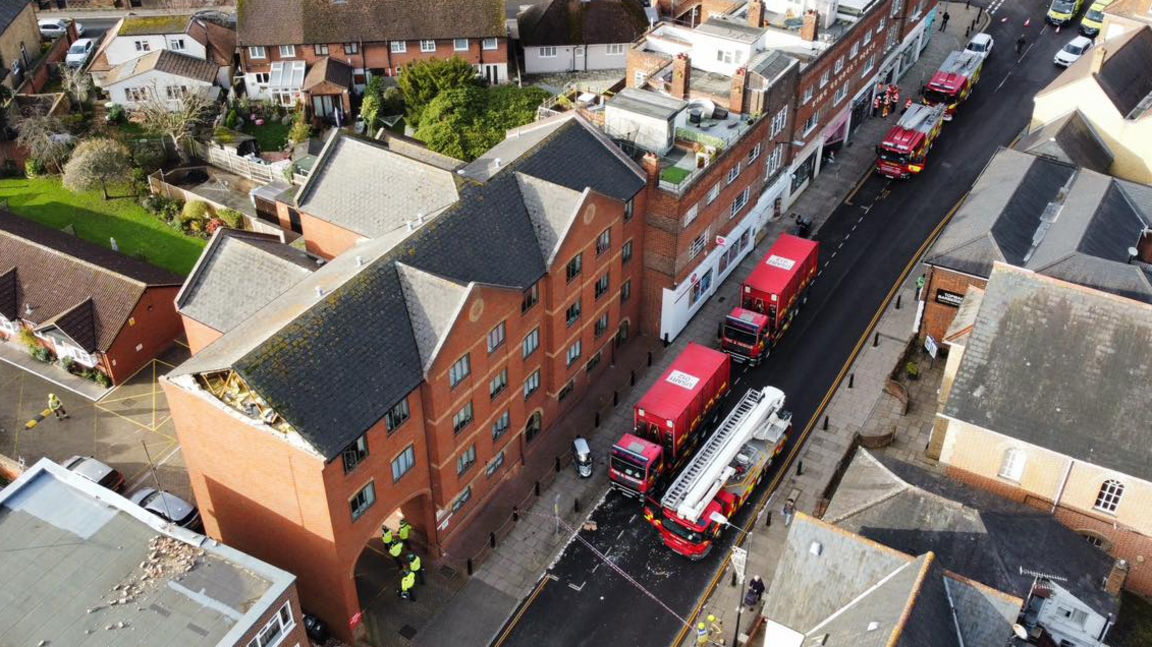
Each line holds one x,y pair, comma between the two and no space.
697,147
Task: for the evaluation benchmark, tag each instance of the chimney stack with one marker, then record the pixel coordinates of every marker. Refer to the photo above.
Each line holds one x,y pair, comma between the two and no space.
651,165
736,94
1116,577
1144,247
756,14
681,76
1098,56
811,27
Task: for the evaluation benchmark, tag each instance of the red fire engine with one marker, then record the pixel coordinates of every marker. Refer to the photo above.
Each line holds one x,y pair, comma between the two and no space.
770,298
953,82
902,152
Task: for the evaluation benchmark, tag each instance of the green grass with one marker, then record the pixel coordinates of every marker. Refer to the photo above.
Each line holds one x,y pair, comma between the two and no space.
136,231
272,136
674,174
1134,627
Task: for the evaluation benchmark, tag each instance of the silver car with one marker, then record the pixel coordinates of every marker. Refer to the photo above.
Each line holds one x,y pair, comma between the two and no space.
168,507
95,471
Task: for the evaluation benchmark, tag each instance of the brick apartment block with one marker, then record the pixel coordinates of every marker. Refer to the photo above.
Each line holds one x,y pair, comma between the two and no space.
412,371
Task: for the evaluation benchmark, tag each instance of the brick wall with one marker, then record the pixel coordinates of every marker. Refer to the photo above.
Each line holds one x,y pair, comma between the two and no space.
938,316
376,55
294,636
198,334
150,330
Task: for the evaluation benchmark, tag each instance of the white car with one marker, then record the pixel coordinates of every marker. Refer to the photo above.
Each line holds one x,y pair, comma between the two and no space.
79,52
1072,52
980,44
57,27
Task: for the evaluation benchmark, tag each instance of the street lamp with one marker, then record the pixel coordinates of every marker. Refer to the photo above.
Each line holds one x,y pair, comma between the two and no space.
739,560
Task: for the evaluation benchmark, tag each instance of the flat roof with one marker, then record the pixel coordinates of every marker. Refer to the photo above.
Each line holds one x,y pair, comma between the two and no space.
84,567
649,104
739,32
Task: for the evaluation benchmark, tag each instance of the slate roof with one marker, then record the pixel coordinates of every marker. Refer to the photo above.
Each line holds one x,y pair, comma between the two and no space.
552,209
1122,76
972,532
239,273
576,22
57,274
353,172
328,70
433,305
838,589
9,11
1050,217
1069,139
296,352
276,22
167,61
1062,367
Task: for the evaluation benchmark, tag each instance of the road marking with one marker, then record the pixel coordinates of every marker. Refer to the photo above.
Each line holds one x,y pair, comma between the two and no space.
855,189
736,382
516,619
143,474
622,530
1004,81
785,467
552,577
632,517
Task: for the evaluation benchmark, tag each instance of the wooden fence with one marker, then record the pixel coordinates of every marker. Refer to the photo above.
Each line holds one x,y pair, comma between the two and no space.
246,166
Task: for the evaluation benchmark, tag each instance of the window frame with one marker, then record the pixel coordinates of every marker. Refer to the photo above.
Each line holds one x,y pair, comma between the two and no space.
626,251
464,417
574,267
604,241
574,353
455,377
546,51
425,48
532,384
530,298
351,48
602,285
398,46
466,460
501,334
625,291
1109,497
616,49
252,49
320,49
501,425
360,453
370,489
1012,464
390,416
456,45
498,384
534,336
573,312
490,44
601,326
290,49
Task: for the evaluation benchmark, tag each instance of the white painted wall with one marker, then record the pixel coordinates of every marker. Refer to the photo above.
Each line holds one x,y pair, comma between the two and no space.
157,82
649,133
123,48
568,59
1052,616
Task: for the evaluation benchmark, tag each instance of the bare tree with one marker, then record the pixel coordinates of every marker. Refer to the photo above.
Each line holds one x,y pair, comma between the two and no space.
45,137
176,119
77,83
95,163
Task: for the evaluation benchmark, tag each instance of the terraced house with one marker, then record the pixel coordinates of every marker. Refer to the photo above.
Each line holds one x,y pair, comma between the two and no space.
316,51
414,370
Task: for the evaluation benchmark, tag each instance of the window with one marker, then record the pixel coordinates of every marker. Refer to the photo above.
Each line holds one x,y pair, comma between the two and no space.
615,49
496,464
713,193
534,427
890,40
574,267
841,92
1109,497
531,298
566,391
398,47
498,383
700,288
531,343
691,214
501,426
351,48
355,453
463,418
489,43
261,78
460,370
601,286
810,123
176,92
142,45
466,460
574,352
855,50
136,94
462,499
733,173
626,291
177,44
496,337
362,500
1012,464
725,56
546,52
397,415
604,241
918,10
532,384
320,49
807,95
257,52
287,51
427,46
573,313
601,325
881,25
594,362
628,211
824,78
838,66
779,120
698,245
755,152
1079,617
638,78
869,65
273,632
626,252
740,202
897,5
460,44
775,160
867,37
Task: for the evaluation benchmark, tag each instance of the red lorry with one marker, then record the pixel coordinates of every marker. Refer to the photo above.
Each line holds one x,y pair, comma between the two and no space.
902,152
954,81
770,298
669,421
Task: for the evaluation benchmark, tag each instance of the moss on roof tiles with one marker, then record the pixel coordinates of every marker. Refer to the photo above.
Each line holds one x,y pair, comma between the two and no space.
145,25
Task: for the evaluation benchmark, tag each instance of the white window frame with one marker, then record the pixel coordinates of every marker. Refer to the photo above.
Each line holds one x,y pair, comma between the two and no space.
282,620
287,51
177,44
867,37
698,245
755,152
532,384
713,193
496,336
257,52
397,416
351,48
370,500
734,173
427,46
403,463
142,45
779,120
456,44
825,78
725,56
574,352
854,51
546,52
838,66
398,46
775,160
840,95
811,123
490,43
808,92
460,370
530,344
740,202
869,65
1012,464
616,49
693,211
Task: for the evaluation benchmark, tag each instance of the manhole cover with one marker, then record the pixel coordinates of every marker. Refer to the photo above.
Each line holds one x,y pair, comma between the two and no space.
408,632
446,571
129,402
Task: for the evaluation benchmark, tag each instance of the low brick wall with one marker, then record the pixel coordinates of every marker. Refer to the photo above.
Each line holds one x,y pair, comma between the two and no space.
37,77
10,470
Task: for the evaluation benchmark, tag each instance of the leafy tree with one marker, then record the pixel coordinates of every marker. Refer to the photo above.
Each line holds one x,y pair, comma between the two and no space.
422,81
77,84
176,120
95,163
300,130
46,139
372,103
465,122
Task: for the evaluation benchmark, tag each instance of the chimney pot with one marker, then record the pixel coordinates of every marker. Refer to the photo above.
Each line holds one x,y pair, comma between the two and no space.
811,27
756,13
1116,577
681,76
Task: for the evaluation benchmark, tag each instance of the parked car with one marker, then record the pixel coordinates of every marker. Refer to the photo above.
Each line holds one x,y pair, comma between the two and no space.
95,471
79,52
1072,52
57,27
169,507
981,44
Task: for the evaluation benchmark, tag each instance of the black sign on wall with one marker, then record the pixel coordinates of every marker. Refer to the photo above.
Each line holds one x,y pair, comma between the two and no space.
949,298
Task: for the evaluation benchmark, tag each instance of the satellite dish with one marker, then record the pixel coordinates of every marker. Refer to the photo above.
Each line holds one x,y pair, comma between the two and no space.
1020,631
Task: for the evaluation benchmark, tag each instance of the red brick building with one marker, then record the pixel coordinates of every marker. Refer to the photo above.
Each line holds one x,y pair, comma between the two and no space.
281,41
98,308
413,372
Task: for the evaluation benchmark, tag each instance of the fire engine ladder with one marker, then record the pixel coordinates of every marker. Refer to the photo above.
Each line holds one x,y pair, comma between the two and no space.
709,469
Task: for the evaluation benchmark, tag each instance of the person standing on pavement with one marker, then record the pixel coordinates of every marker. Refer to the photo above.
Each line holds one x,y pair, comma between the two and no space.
408,586
405,530
414,565
396,550
876,105
715,629
701,634
788,511
57,407
386,536
755,592
944,21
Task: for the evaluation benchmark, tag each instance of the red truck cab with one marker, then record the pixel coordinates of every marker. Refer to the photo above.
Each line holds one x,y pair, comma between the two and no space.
636,466
770,298
902,152
693,539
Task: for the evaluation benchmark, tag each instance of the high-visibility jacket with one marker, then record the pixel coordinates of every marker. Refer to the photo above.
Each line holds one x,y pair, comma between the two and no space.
54,402
386,536
701,633
396,549
407,582
405,530
414,563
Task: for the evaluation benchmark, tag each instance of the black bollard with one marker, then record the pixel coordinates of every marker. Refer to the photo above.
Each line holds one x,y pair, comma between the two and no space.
876,340
649,358
469,567
825,423
516,513
615,398
768,519
492,539
632,378
557,464
667,340
576,505
597,420
733,581
536,488
851,380
799,468
898,296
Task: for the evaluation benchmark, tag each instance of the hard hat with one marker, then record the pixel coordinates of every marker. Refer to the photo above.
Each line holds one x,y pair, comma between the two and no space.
51,395
411,557
711,618
701,626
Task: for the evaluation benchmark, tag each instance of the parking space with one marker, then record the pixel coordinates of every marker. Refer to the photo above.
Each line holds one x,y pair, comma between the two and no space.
129,429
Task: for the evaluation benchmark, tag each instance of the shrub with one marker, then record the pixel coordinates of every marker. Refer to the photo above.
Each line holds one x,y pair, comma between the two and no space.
155,204
194,210
231,119
150,157
196,226
138,177
213,225
300,131
68,364
34,168
116,114
101,379
232,218
171,212
28,338
42,354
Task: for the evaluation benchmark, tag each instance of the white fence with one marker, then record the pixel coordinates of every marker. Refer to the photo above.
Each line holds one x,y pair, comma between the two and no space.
246,166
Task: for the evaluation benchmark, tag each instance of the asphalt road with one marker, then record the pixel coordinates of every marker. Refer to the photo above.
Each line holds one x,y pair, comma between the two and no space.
866,247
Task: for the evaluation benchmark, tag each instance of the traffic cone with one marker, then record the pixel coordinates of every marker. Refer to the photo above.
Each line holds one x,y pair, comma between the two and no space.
1028,21
1057,29
1004,19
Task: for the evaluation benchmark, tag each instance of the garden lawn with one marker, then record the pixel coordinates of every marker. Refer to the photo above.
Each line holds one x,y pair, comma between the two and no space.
674,174
272,136
137,232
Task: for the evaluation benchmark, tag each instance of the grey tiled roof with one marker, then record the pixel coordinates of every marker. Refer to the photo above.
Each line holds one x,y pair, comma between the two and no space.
577,22
973,533
552,210
9,11
365,188
1062,367
1124,76
165,61
433,304
239,273
1069,139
